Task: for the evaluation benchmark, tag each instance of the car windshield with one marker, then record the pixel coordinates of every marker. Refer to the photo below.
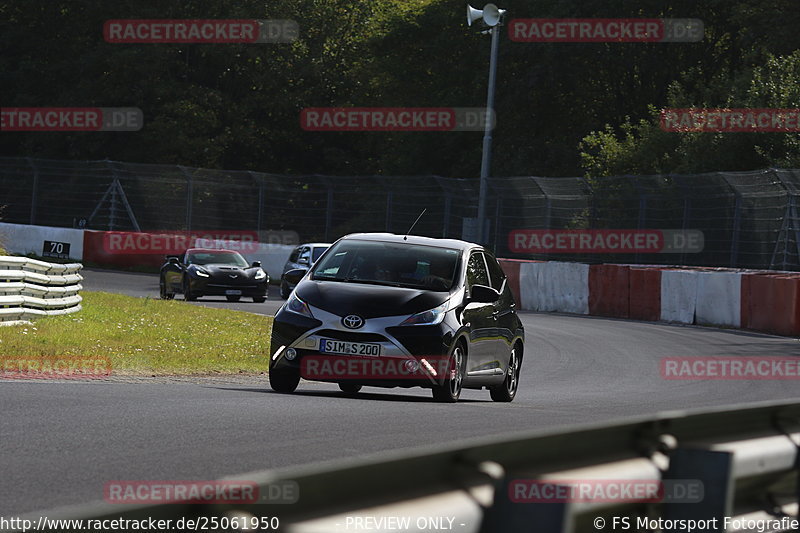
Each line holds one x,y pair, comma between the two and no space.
383,263
216,258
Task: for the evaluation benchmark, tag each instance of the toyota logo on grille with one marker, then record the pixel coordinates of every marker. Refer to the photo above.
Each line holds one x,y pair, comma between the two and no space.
352,321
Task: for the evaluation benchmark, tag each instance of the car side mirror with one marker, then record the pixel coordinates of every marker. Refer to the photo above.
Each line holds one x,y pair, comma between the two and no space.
483,294
256,264
295,275
173,260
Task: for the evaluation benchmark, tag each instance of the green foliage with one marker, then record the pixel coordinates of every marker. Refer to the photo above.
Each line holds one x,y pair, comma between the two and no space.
238,106
644,148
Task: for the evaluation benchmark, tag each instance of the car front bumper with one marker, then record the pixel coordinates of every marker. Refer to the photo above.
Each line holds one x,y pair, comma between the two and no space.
428,346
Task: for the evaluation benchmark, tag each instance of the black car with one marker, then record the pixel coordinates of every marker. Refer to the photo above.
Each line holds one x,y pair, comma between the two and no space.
391,311
203,272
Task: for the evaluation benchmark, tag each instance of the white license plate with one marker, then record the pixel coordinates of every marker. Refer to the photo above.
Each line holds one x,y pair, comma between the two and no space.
349,348
233,293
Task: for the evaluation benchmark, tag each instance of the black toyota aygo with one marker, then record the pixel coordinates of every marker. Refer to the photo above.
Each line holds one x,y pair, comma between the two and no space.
387,310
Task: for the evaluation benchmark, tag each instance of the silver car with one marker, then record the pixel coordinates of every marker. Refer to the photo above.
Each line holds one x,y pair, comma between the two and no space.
303,256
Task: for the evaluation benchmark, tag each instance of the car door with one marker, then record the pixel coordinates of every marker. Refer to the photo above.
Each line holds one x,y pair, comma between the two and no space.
505,312
482,359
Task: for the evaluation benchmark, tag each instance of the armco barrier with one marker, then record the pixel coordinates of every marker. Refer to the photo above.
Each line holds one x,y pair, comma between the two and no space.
645,294
609,290
771,303
742,462
31,289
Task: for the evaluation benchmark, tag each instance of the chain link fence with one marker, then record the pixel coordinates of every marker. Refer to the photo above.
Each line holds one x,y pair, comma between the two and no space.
749,219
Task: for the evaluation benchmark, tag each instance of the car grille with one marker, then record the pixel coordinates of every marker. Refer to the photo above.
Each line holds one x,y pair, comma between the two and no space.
350,336
244,284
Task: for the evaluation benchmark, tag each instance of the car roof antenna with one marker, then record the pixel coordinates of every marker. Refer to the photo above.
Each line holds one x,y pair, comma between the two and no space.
414,224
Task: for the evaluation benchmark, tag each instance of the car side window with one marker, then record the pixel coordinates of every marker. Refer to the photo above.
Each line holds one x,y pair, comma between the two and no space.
495,272
295,254
476,271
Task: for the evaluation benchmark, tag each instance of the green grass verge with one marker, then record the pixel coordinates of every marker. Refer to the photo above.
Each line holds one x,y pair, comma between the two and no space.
142,336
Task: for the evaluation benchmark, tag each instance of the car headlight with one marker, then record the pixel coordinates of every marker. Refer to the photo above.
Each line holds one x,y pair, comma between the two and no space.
296,305
260,274
202,273
431,317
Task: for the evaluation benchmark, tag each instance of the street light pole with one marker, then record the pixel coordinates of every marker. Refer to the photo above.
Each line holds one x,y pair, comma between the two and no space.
492,16
486,158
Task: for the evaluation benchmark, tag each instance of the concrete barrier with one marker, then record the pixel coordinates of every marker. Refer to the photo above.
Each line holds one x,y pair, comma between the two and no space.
644,294
272,256
678,296
771,303
719,299
23,239
555,287
609,290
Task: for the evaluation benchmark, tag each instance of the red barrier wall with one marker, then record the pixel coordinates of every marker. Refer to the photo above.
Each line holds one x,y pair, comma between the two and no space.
645,294
609,290
771,303
511,269
94,252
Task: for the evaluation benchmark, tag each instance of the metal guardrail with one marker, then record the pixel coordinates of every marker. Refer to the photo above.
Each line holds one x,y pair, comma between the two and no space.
746,460
31,289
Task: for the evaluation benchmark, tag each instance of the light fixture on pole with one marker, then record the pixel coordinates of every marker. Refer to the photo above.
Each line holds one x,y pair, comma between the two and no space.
492,16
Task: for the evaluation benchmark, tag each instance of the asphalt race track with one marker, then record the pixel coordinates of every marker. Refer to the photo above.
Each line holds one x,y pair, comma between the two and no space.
61,442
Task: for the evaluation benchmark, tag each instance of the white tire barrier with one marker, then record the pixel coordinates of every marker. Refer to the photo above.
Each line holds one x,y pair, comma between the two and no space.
31,289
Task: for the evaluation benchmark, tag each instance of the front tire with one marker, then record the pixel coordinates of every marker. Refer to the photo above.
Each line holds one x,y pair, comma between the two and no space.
507,391
284,381
349,388
450,390
259,299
